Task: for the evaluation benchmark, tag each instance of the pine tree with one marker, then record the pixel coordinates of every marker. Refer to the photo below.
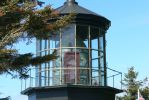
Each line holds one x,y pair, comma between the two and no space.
21,19
132,85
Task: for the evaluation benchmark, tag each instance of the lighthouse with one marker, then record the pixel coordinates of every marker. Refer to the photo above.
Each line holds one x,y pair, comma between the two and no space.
79,72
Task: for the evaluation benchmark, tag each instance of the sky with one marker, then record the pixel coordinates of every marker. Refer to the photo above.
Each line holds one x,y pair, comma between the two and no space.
127,38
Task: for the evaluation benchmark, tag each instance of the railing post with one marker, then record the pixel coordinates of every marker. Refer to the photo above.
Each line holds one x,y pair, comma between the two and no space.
25,83
113,81
121,80
30,77
21,84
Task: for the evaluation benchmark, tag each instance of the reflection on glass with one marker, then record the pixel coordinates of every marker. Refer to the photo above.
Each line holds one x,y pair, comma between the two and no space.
80,57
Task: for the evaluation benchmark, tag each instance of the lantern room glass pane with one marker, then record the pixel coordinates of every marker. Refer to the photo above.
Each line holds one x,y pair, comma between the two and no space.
43,71
101,60
54,40
83,66
101,43
82,35
94,31
82,43
68,36
56,76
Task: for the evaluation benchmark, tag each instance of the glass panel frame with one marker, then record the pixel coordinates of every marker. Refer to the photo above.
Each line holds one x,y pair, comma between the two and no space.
88,41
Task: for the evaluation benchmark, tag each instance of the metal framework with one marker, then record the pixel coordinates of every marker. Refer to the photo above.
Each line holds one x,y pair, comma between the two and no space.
81,53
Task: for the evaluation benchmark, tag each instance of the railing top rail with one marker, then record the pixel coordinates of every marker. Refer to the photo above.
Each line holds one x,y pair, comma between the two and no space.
32,77
114,70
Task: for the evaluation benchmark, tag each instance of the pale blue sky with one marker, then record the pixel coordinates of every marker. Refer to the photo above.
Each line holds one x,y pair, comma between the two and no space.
127,38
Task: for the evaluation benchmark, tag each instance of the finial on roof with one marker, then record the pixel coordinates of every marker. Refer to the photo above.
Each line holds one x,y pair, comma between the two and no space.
71,2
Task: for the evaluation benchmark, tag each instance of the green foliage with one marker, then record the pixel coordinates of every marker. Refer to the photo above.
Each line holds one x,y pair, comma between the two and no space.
21,19
132,85
145,92
17,19
21,64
